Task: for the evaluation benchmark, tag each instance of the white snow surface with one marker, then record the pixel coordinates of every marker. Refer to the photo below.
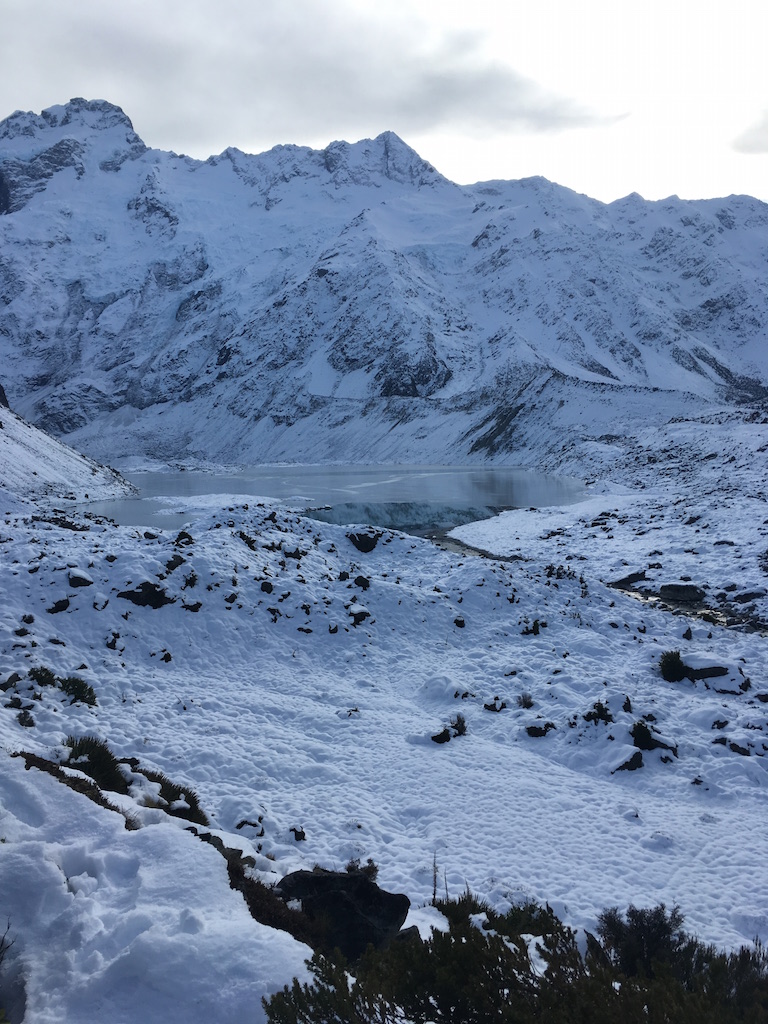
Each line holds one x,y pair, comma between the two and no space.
275,708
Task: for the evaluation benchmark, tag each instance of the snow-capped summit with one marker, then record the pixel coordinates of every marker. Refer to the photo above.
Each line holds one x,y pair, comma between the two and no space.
250,307
385,156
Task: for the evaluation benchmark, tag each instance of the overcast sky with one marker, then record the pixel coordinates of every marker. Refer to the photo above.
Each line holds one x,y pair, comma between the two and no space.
605,97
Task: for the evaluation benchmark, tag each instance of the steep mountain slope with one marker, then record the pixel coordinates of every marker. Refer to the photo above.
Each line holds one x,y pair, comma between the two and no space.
34,465
351,303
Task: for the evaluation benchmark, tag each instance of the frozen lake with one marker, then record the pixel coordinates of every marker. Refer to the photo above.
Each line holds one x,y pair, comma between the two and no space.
416,499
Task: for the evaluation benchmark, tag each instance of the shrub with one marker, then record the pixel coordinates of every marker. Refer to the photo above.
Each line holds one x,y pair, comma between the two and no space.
459,725
180,801
524,700
636,941
78,690
370,869
482,969
672,666
93,756
599,713
42,676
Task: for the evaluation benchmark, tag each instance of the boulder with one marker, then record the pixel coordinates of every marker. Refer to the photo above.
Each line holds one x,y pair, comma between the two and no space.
365,542
79,578
147,595
353,910
681,593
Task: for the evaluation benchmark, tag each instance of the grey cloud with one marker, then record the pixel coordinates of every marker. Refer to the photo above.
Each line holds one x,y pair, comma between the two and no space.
197,79
755,138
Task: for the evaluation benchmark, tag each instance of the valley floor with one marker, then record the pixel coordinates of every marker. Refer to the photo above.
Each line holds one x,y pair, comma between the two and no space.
295,683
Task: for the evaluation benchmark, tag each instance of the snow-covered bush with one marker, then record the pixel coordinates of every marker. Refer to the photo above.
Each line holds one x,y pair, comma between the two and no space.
526,966
92,756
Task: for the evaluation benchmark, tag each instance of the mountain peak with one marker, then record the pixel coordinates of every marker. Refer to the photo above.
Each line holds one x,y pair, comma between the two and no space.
37,146
95,114
385,156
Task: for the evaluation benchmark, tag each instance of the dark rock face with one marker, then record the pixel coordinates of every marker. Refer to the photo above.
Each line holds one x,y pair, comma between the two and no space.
355,912
3,399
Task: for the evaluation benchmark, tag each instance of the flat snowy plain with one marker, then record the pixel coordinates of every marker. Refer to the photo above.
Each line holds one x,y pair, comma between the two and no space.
295,682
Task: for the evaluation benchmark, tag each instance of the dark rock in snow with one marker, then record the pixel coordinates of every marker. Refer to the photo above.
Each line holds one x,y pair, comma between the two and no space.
643,739
627,582
631,765
537,731
748,596
681,593
365,542
354,911
708,672
77,578
147,595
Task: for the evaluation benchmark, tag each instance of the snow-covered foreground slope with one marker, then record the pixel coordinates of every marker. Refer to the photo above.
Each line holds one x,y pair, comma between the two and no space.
351,304
295,684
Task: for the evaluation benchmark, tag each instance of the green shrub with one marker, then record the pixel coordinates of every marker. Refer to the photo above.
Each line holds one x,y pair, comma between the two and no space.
185,799
78,690
93,756
42,676
672,666
482,969
641,938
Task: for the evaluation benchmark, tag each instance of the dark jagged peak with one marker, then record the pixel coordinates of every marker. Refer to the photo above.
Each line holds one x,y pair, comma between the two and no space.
368,161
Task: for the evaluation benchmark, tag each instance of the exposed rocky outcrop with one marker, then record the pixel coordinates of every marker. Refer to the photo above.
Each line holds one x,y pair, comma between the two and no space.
355,912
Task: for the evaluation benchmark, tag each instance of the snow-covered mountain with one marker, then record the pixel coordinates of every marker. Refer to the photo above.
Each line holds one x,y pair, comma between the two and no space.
352,303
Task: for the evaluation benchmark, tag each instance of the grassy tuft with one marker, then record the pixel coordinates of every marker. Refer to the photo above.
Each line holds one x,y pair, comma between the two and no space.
91,755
